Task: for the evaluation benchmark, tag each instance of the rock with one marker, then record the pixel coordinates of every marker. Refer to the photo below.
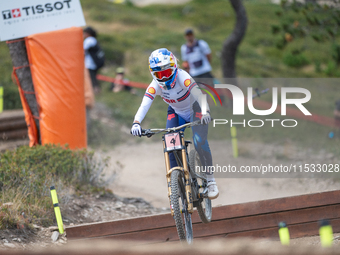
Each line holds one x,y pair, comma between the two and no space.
9,245
55,236
62,241
53,228
7,204
119,204
36,226
5,241
17,240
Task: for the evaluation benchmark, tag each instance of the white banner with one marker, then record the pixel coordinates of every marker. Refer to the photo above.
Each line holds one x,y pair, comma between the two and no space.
20,18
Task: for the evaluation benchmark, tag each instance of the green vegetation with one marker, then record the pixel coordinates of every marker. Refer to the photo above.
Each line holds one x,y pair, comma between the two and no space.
295,60
138,31
11,94
129,34
26,175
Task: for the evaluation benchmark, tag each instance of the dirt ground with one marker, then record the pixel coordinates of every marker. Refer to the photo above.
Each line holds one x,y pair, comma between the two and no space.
142,172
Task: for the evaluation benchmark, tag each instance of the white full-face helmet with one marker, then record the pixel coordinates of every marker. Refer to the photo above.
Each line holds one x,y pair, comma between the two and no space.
163,68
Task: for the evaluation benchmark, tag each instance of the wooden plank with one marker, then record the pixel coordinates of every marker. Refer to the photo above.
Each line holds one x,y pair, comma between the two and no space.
9,115
295,231
219,213
13,124
14,134
266,220
301,223
149,236
120,226
276,205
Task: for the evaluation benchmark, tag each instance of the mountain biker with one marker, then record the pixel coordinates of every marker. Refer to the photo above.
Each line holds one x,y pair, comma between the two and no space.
179,90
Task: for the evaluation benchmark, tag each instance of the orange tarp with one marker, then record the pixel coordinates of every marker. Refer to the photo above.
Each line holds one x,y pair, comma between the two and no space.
57,66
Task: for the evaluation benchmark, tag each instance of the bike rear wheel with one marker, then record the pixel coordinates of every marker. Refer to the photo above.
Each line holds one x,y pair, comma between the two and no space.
204,209
179,205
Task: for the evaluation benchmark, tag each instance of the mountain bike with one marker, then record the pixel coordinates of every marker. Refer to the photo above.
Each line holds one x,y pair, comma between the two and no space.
187,188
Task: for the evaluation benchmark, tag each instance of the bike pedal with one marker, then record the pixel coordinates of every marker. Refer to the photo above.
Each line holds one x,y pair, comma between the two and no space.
203,195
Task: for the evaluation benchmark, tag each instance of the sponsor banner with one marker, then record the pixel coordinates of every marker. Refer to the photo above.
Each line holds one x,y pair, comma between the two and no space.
20,18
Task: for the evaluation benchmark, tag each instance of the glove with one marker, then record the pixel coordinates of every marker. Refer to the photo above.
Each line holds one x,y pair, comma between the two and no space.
206,118
136,129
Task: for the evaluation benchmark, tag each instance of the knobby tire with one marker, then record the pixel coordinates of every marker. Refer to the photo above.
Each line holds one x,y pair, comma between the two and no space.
177,192
204,209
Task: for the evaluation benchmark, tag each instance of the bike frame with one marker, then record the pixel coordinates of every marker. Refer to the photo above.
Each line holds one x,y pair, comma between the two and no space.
184,179
185,169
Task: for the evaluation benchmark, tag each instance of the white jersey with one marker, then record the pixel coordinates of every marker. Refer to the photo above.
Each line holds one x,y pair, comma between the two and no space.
87,44
180,97
196,56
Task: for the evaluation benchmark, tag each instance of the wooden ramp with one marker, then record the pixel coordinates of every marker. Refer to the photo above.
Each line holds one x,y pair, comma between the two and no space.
206,247
12,125
254,219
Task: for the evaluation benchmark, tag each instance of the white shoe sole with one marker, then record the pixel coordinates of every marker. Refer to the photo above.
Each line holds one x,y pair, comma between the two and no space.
213,197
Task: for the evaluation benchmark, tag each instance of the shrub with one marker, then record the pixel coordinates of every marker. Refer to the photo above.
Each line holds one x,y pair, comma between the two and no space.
332,69
295,60
26,175
336,53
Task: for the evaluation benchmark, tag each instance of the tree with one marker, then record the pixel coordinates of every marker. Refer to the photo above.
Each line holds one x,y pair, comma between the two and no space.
231,44
20,62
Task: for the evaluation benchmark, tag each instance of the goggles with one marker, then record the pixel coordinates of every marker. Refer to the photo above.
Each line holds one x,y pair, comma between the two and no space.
163,74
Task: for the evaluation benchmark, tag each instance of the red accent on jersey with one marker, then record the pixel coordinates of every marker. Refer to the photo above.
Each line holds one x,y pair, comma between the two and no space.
149,96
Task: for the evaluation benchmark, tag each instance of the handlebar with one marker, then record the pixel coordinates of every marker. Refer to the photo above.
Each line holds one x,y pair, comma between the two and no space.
153,131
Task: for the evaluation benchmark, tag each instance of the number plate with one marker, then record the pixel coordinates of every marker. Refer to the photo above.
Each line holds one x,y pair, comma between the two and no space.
173,141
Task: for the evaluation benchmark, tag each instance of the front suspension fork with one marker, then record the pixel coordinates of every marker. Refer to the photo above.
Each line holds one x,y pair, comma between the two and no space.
185,169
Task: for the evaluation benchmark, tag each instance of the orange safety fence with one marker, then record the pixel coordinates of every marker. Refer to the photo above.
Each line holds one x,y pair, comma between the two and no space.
319,119
125,83
57,65
295,113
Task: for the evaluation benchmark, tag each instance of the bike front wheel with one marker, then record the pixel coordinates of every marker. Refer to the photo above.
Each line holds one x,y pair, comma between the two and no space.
204,209
179,205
